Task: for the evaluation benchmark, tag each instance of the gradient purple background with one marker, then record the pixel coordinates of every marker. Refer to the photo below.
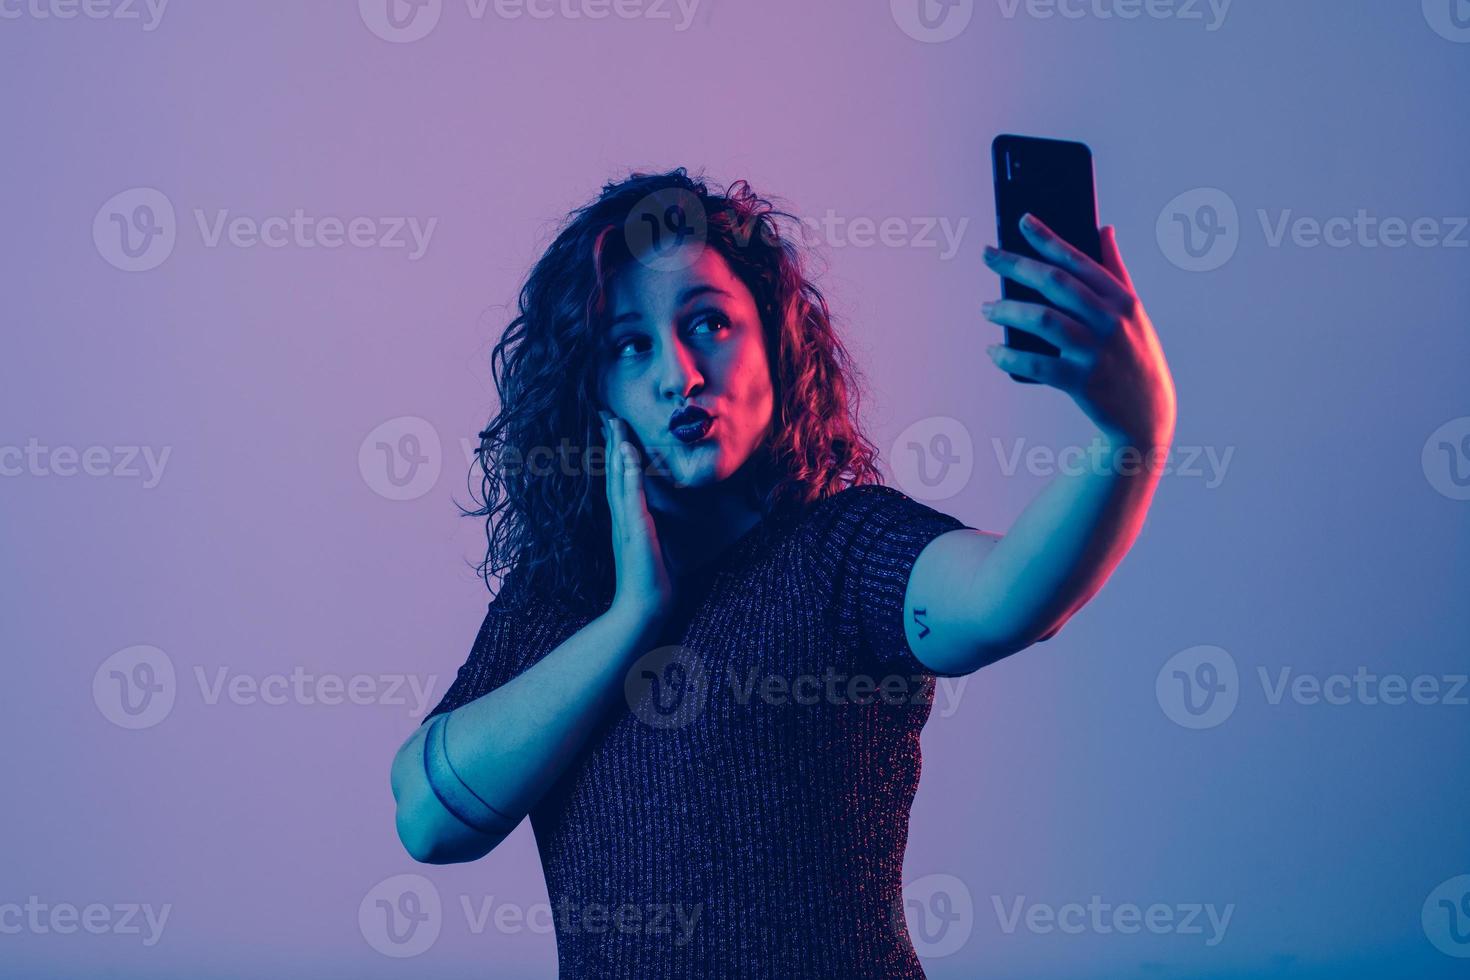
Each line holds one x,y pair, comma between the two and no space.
264,549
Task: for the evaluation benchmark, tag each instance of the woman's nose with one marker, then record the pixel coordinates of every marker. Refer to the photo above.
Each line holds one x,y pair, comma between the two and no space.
678,371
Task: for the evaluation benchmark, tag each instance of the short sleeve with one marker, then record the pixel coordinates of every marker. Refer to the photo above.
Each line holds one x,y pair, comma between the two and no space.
515,633
871,539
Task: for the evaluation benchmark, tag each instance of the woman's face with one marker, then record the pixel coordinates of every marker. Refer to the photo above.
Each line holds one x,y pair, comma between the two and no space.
686,333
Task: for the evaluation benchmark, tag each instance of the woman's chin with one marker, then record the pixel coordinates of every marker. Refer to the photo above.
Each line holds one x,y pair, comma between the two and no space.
688,467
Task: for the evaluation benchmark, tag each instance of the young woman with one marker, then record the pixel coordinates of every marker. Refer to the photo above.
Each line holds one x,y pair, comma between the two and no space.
706,669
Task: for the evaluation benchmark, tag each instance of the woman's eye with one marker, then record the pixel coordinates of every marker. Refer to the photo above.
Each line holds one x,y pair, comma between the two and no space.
711,320
621,345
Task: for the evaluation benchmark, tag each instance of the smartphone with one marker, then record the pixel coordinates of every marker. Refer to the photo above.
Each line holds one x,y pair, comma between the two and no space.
1053,180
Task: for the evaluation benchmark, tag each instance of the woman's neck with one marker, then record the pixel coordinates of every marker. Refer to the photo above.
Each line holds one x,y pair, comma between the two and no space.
696,525
690,539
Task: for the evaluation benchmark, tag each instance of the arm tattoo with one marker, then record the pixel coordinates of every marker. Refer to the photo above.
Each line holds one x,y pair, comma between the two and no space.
923,628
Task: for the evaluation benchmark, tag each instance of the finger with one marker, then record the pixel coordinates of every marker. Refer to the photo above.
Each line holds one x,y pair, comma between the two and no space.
632,477
1056,284
1063,332
1048,370
1054,248
613,476
1113,259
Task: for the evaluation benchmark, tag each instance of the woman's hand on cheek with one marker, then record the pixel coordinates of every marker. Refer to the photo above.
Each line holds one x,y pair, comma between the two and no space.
645,589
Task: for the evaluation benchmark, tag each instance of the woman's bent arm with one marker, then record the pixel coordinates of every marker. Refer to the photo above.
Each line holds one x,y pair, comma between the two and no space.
510,745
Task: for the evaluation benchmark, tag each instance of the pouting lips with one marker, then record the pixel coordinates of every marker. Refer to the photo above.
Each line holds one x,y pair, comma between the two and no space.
686,416
697,428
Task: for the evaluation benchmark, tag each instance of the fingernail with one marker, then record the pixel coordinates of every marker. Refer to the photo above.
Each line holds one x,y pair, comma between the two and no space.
991,252
987,308
1029,220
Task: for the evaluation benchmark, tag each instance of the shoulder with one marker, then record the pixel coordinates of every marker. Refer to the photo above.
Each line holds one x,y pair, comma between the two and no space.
872,509
512,592
871,529
852,501
865,542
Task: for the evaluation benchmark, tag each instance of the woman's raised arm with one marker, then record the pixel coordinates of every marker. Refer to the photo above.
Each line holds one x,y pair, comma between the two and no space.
973,597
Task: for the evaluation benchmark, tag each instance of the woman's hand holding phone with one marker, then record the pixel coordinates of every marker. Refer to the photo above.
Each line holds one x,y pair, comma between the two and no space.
1109,358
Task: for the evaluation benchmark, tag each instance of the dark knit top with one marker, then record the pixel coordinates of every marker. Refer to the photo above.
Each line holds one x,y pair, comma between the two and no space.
734,785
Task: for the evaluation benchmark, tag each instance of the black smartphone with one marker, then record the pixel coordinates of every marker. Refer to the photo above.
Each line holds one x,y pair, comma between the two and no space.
1052,179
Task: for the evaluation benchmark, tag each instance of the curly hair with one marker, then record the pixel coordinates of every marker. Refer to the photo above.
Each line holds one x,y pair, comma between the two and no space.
555,525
